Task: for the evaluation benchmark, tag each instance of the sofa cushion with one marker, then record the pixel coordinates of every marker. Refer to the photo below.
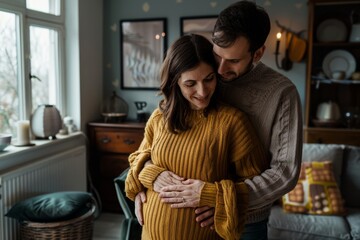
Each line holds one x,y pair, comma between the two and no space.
316,191
295,226
353,219
350,178
325,152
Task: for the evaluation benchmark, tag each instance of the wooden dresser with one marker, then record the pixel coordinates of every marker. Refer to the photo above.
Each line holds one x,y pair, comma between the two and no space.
110,146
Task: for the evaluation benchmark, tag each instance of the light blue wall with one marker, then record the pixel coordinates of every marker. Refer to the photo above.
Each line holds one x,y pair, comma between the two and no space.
290,13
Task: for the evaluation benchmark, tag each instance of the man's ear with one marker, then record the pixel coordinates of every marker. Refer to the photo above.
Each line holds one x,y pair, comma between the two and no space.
259,53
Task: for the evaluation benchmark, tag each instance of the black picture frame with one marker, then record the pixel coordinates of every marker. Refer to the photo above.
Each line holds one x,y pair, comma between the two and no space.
202,25
143,43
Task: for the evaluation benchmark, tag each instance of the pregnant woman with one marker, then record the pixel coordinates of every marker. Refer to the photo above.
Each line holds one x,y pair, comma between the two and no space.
200,142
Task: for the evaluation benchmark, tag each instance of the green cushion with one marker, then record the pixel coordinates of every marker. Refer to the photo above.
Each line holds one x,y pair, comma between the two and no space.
53,207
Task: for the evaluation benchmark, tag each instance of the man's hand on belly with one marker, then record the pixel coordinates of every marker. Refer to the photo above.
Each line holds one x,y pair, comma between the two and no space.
185,195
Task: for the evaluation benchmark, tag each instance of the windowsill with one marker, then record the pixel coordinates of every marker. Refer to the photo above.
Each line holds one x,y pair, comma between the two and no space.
13,156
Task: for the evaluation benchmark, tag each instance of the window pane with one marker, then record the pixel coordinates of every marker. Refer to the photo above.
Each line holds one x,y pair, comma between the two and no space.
46,6
9,71
44,65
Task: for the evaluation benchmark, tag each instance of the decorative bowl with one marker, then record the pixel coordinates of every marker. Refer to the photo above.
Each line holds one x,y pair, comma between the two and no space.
5,140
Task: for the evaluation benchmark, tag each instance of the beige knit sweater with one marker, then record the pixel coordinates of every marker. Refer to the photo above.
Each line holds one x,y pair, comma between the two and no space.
221,149
273,106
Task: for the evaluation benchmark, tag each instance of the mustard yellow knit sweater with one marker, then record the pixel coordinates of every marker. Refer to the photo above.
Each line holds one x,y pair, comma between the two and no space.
221,149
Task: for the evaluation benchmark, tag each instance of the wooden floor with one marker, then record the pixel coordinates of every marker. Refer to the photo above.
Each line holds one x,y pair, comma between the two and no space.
107,226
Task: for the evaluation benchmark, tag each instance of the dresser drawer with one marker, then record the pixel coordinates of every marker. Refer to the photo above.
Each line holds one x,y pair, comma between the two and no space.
112,165
118,142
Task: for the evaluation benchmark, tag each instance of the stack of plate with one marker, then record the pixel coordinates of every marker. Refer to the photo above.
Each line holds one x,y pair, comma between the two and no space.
339,60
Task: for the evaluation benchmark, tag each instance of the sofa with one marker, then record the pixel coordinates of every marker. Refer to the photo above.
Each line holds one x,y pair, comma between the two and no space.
346,169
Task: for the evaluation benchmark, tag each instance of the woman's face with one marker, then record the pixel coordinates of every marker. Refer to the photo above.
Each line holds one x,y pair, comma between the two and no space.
198,85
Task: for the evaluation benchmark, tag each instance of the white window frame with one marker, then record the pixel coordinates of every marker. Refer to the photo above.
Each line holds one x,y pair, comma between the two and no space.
29,17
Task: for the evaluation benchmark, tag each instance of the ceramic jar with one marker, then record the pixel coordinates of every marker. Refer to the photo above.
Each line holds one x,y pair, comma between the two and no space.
46,121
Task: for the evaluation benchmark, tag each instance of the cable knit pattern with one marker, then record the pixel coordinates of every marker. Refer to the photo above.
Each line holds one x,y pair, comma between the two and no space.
222,150
273,106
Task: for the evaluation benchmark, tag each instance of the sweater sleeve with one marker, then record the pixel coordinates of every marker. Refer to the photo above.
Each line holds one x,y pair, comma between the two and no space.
230,201
138,159
286,152
132,184
247,158
149,174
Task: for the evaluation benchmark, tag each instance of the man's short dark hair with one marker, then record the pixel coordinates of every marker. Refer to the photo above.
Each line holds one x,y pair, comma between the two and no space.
242,19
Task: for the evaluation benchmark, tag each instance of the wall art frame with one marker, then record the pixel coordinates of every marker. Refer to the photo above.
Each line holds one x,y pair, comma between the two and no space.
202,25
143,43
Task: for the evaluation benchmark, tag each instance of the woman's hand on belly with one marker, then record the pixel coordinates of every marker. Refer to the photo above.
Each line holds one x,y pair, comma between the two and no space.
166,178
186,194
140,199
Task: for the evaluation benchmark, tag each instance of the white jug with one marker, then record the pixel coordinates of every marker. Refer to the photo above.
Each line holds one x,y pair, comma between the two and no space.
355,28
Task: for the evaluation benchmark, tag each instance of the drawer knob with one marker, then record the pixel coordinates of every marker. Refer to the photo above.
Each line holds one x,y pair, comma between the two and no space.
129,141
105,140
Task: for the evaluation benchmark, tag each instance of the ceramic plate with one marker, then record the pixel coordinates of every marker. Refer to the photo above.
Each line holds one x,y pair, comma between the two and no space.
331,30
339,60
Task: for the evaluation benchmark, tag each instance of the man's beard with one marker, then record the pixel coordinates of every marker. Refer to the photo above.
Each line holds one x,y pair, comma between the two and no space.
235,76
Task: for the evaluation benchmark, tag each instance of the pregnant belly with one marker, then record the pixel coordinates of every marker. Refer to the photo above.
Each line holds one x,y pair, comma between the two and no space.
163,222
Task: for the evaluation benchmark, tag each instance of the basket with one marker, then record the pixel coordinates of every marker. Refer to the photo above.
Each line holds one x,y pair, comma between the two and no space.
74,229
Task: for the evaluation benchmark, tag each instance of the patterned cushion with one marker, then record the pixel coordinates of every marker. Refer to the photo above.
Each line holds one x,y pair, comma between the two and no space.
316,191
325,152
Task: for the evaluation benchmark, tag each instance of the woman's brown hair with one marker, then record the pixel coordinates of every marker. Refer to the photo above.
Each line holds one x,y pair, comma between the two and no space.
184,54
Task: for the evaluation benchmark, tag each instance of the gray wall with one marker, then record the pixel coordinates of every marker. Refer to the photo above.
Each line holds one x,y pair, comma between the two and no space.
290,13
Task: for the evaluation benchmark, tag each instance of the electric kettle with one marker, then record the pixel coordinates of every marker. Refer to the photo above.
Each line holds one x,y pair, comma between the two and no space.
328,111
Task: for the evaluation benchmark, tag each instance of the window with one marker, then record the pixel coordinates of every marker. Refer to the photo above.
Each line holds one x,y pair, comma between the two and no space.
44,65
46,6
31,57
9,70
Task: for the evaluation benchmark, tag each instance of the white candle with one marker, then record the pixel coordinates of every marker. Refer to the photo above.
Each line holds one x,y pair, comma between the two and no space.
23,132
278,37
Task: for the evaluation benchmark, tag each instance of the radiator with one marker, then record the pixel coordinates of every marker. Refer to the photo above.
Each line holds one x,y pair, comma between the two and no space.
65,171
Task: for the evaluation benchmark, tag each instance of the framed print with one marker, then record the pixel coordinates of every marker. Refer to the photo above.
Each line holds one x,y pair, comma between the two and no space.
199,25
142,46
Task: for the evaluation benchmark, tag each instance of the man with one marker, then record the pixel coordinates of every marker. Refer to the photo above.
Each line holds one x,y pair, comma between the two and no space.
271,102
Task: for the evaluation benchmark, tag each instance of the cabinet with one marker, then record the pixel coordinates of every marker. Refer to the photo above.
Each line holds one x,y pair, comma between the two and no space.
110,146
330,49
